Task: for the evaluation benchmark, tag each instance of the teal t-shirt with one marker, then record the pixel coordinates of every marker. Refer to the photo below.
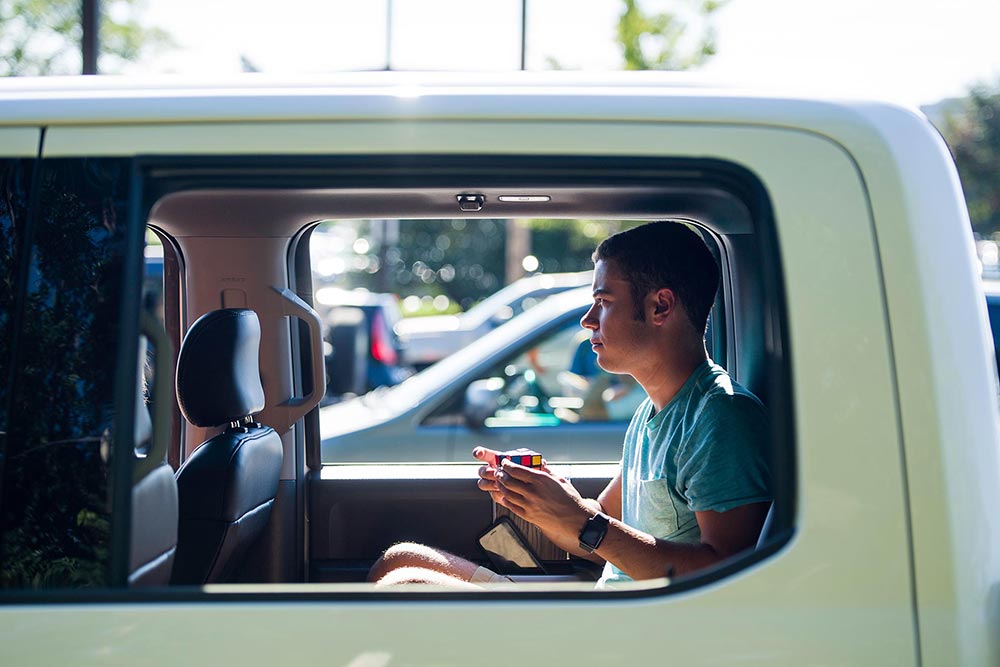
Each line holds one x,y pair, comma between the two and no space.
706,450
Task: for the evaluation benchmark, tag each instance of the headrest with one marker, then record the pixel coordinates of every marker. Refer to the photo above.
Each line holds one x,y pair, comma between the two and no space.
218,373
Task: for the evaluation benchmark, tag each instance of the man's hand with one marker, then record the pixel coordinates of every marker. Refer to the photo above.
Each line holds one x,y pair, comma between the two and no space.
487,478
546,500
555,506
490,456
538,496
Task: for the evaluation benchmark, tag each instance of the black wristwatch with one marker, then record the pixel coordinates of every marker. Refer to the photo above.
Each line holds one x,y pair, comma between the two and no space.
593,532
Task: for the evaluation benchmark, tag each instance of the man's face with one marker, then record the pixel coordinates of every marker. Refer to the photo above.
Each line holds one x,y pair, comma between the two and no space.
618,338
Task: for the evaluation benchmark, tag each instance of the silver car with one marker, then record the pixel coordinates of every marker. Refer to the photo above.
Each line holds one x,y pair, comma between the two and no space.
532,382
431,339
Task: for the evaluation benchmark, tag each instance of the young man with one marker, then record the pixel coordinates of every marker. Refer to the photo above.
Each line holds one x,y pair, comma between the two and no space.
693,487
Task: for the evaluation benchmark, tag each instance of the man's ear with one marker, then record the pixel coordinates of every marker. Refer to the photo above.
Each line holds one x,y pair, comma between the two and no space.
664,303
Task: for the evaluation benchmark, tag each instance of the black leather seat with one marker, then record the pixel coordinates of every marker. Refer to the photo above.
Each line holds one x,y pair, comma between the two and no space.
228,485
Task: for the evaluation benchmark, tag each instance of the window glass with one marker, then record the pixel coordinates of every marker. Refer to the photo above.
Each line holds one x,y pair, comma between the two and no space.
152,277
56,492
485,344
556,381
14,192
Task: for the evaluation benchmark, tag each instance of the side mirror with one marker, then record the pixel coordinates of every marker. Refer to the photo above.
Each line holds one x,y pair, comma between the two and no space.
482,398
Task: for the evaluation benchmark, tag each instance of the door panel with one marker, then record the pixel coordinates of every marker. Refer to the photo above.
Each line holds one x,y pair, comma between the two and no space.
354,520
850,549
358,511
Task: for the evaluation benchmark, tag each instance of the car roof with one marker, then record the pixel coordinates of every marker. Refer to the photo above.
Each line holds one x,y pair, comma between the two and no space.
542,282
372,96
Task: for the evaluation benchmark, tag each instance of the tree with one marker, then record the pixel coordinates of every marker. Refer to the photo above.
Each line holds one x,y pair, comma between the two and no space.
460,259
464,259
664,40
974,138
661,41
43,36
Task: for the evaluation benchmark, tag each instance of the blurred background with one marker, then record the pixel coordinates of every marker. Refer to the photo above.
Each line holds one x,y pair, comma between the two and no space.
415,289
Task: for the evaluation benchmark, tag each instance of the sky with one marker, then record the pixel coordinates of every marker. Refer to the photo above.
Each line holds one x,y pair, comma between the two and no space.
909,51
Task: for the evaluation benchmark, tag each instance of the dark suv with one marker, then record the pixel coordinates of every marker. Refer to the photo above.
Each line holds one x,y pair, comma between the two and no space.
361,349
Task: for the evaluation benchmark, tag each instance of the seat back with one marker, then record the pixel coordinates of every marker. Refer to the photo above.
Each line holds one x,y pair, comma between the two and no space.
228,485
153,535
154,528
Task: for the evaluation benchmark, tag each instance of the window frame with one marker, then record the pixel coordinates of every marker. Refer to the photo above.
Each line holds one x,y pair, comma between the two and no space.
159,175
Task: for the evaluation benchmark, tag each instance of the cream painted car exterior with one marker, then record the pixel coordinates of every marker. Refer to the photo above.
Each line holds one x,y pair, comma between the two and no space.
896,553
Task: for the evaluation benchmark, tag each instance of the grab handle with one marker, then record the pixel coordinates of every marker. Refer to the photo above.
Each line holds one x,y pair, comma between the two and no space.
297,406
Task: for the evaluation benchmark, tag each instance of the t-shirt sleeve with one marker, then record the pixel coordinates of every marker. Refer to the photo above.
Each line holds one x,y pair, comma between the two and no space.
723,463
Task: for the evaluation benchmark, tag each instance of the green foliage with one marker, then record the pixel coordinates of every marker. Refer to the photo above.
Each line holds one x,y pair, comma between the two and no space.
43,37
974,138
664,40
461,259
55,487
567,245
428,309
464,259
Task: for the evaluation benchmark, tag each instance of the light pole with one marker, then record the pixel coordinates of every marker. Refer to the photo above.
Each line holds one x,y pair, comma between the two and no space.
90,43
524,33
388,35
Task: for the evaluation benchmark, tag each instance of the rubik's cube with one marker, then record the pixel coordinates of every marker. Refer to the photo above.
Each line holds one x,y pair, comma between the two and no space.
524,457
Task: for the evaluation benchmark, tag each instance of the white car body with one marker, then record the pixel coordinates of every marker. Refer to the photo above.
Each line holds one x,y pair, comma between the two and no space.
895,554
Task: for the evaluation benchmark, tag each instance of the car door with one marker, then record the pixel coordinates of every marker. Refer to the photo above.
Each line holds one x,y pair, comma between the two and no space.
825,326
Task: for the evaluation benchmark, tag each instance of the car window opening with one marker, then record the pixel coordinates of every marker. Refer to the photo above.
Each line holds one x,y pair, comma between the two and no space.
435,340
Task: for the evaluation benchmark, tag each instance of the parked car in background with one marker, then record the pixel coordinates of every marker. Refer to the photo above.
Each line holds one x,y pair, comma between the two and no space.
152,281
432,338
360,347
532,382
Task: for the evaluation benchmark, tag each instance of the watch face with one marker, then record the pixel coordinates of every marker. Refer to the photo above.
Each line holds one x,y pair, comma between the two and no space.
593,532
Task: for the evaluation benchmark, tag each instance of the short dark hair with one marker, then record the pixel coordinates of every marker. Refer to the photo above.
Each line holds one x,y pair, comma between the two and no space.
665,255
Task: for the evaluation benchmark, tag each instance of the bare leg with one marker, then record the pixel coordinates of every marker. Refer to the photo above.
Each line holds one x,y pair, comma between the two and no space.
410,555
420,575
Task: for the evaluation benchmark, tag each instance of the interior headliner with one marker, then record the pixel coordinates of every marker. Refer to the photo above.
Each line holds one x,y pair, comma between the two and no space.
282,212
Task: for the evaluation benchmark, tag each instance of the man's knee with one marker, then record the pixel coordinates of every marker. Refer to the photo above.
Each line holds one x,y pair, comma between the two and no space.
402,555
419,575
409,554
